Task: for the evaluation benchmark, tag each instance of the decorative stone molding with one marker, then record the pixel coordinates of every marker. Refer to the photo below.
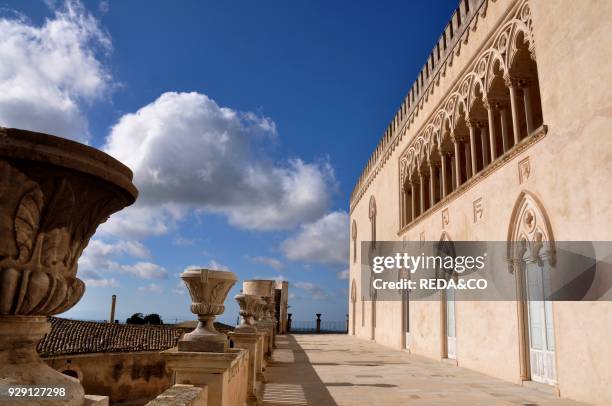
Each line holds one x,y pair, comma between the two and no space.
445,218
524,170
478,210
208,290
500,47
53,195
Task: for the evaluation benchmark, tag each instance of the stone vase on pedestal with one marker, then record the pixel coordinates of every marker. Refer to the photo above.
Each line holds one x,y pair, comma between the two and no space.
265,289
202,357
246,336
248,307
53,195
208,290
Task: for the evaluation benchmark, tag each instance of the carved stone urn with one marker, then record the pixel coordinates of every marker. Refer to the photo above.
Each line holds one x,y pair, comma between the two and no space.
53,195
258,287
208,290
249,305
265,289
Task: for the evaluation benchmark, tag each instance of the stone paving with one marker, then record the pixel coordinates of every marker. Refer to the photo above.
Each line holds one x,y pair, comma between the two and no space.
338,369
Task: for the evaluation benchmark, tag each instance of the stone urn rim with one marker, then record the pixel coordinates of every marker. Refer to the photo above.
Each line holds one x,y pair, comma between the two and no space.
215,273
272,283
40,147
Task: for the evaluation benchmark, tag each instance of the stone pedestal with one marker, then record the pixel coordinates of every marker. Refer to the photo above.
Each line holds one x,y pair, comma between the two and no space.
250,342
183,395
260,362
225,374
208,289
53,195
21,365
268,327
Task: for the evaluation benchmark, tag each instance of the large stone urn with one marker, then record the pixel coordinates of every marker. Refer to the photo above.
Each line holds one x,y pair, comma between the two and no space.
208,290
53,195
249,306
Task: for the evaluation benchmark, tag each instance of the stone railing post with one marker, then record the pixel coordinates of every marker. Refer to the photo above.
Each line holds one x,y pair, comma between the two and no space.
245,336
318,323
265,289
202,357
53,195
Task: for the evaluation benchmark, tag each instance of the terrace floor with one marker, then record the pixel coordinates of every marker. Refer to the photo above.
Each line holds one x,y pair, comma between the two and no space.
336,369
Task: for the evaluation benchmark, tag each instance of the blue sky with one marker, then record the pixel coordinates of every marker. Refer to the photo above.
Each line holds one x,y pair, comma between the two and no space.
246,124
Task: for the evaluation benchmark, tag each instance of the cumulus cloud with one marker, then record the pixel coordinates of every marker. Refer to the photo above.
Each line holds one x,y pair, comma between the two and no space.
214,265
140,221
188,152
49,73
179,288
95,280
271,262
183,241
324,241
101,257
277,278
152,288
145,270
343,275
315,292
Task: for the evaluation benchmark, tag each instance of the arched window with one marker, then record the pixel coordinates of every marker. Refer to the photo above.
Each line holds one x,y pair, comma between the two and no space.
354,237
446,248
353,304
531,253
372,215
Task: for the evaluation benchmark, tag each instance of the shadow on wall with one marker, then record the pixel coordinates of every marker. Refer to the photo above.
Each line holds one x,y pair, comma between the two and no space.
127,378
301,387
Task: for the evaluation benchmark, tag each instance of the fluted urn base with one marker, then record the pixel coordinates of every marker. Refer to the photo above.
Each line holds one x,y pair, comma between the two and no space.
20,364
205,338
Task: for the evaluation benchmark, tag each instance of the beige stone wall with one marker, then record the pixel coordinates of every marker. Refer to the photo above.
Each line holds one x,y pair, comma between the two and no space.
570,175
127,378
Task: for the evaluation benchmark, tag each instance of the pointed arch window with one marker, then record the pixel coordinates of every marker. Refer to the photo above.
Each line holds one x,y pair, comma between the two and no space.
531,255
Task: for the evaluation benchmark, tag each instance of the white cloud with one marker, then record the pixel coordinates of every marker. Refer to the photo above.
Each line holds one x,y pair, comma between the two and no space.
314,291
139,221
271,262
217,266
179,287
49,73
343,274
189,153
324,241
277,278
214,265
183,241
98,248
152,287
145,270
93,279
100,256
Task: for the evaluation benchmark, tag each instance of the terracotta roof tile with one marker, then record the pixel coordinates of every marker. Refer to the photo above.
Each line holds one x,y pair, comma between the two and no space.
82,337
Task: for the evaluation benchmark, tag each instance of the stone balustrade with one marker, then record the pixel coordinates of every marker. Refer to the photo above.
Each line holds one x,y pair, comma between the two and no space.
184,395
230,376
56,193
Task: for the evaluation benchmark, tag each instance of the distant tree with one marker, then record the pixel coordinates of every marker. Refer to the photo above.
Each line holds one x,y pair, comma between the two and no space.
136,318
153,318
